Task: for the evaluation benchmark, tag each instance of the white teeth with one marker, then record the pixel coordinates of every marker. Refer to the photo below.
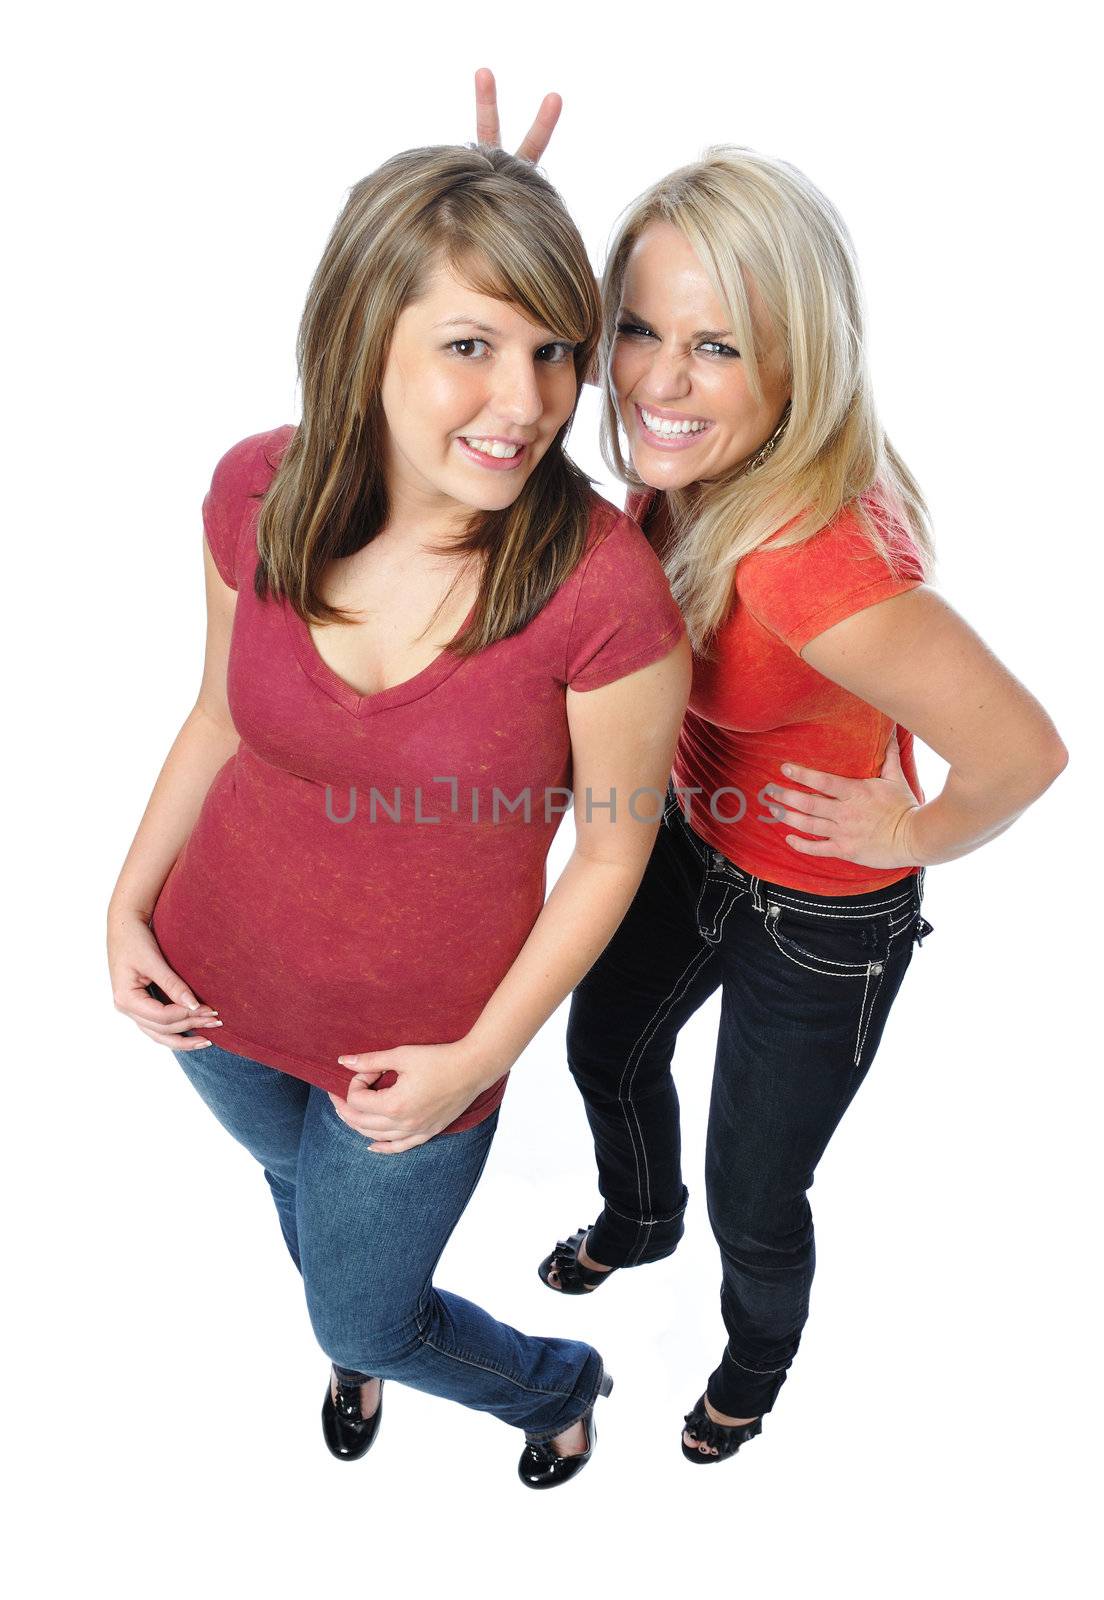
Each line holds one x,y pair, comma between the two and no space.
494,447
662,426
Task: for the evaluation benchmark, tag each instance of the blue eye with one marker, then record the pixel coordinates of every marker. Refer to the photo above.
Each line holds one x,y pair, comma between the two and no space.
456,343
636,330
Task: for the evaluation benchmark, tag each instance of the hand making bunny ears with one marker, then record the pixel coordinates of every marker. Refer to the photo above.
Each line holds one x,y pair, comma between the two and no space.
531,148
535,143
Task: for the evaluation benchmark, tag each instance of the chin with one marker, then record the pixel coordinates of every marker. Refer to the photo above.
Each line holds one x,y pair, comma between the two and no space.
657,476
490,502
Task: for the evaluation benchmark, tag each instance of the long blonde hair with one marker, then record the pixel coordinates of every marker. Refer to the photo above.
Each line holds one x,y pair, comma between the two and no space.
503,229
748,214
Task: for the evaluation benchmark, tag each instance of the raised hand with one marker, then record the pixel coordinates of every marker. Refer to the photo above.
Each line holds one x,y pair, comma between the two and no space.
535,143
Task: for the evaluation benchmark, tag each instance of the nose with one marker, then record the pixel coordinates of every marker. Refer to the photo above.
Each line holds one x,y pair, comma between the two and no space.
668,376
517,396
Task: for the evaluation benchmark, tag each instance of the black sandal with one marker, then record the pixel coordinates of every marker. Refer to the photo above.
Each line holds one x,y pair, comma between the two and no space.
726,1441
575,1278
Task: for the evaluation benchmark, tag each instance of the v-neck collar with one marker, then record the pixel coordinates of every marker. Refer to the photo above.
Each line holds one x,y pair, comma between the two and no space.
365,705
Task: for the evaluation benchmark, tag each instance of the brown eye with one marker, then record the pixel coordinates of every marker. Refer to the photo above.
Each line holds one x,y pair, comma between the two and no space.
566,351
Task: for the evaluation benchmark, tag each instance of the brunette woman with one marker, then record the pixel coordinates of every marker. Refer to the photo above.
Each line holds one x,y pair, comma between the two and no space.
423,629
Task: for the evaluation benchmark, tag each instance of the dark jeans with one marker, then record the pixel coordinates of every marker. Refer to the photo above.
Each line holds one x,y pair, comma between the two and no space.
806,986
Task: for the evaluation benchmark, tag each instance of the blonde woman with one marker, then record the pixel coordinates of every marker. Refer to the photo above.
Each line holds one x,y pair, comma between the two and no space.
789,871
790,866
423,627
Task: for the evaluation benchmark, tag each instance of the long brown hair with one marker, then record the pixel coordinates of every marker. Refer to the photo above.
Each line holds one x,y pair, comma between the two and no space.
501,227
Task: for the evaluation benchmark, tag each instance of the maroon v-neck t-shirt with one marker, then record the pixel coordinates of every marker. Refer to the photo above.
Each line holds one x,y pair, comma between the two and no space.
317,929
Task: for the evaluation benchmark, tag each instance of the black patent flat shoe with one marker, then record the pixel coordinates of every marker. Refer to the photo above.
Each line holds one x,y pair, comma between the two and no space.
726,1441
347,1433
541,1468
564,1261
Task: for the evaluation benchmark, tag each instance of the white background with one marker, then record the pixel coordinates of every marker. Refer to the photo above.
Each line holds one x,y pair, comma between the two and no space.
175,173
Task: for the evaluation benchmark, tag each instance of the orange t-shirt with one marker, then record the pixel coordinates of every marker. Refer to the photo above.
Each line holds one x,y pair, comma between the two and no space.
757,704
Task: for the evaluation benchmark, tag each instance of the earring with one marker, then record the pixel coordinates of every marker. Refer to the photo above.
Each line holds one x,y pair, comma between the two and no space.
768,449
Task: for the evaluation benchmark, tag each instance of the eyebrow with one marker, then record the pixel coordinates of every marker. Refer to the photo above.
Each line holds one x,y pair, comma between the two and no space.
468,322
495,333
701,333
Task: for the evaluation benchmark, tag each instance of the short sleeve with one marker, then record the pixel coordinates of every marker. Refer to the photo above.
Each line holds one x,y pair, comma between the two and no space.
240,477
218,522
798,591
625,616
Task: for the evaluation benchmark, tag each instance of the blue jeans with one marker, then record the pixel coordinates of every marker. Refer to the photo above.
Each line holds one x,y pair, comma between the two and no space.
366,1231
806,985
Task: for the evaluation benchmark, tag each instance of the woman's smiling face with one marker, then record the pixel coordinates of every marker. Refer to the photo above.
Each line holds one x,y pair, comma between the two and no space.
678,378
463,367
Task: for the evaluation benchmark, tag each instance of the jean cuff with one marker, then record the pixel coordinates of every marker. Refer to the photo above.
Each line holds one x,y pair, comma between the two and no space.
738,1391
350,1375
620,1240
586,1393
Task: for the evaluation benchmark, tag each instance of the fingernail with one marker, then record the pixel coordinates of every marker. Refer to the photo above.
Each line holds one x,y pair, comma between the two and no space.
345,1061
191,1003
209,1023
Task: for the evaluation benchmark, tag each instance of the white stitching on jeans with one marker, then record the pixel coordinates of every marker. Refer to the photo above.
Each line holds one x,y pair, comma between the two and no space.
697,908
723,918
853,972
842,915
649,1222
682,982
643,1183
848,966
759,1371
862,1014
864,1026
732,893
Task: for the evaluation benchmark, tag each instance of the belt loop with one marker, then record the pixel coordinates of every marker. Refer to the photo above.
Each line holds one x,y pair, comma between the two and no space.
756,897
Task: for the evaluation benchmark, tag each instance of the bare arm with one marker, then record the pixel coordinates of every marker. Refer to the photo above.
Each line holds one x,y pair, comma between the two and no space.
623,739
917,660
205,742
